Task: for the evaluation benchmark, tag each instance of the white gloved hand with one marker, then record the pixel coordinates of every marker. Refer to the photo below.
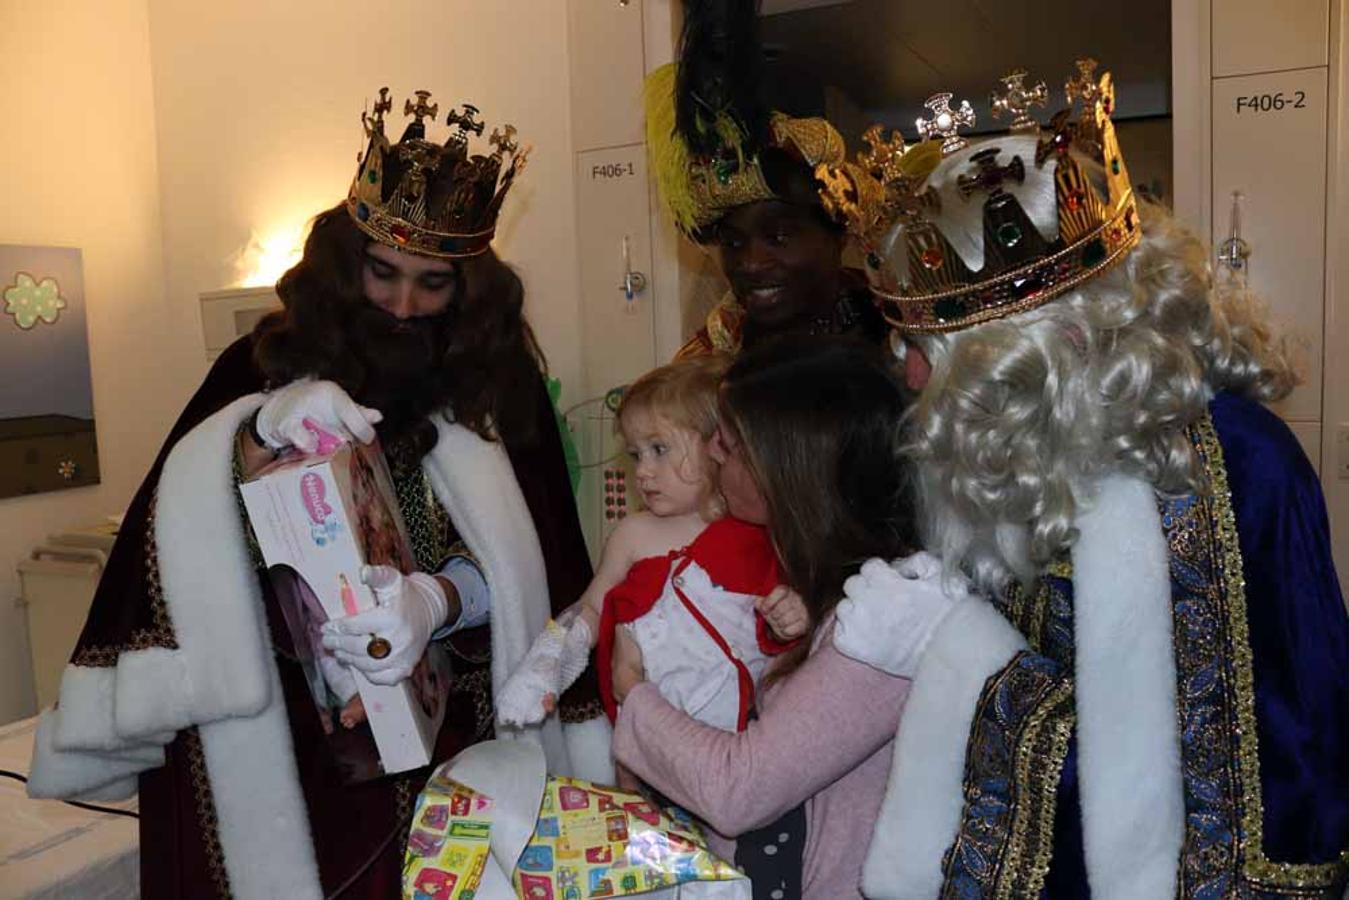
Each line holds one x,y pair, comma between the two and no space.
411,608
281,420
890,612
339,678
556,659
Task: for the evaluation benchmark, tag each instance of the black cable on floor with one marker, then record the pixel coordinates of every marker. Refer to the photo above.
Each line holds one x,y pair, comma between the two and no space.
130,814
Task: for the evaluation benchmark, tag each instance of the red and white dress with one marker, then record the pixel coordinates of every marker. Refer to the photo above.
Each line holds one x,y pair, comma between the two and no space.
692,614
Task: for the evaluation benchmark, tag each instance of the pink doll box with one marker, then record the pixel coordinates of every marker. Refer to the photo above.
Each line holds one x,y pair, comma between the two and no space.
317,520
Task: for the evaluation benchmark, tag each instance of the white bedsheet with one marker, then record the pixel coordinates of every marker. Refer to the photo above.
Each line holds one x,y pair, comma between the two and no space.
52,849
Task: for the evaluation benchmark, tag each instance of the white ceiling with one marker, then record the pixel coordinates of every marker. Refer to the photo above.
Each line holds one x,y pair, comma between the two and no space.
888,56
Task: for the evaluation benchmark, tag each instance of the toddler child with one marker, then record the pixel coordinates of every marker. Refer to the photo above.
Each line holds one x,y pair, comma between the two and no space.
690,596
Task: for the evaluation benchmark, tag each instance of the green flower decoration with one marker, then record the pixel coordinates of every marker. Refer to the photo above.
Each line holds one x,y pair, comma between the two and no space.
27,301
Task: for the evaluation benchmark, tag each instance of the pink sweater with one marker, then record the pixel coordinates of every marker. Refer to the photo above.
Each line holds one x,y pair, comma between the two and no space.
825,735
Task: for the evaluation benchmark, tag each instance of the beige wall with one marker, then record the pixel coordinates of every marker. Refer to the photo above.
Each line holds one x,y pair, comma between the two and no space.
258,107
79,171
227,122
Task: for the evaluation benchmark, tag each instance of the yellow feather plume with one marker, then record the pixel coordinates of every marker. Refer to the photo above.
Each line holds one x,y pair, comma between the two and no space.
667,152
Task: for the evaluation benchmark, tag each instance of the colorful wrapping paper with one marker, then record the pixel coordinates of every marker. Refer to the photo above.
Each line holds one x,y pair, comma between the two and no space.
588,842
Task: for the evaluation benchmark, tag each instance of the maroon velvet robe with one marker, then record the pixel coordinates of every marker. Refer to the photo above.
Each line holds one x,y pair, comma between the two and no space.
358,830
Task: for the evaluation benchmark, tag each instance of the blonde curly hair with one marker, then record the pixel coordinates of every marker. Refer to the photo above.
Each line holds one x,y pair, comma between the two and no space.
1022,414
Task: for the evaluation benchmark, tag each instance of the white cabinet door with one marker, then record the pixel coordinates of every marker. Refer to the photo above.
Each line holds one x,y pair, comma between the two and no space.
605,42
618,327
1259,36
1269,143
612,213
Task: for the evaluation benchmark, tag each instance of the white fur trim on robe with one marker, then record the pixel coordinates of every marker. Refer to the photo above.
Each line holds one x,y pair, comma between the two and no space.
220,668
1128,739
112,722
222,678
920,813
473,479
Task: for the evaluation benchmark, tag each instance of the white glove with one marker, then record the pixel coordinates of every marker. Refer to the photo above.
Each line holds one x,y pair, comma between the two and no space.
339,678
890,612
411,608
557,658
281,420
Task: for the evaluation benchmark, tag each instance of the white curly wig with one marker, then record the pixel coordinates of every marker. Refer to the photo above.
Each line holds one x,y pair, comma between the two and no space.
1022,414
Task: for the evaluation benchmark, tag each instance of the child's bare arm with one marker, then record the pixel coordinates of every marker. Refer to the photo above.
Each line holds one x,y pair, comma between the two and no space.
624,547
785,612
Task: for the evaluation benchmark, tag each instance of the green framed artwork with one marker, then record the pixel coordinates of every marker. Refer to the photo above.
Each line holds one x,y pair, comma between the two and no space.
47,436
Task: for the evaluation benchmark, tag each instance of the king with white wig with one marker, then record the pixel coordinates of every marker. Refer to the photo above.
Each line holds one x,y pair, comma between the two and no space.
1151,696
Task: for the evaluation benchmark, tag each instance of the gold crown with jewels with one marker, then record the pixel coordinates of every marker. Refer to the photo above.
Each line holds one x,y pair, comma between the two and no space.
427,198
1055,208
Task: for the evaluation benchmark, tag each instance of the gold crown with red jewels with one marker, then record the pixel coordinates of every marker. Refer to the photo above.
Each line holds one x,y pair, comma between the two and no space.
1034,243
428,198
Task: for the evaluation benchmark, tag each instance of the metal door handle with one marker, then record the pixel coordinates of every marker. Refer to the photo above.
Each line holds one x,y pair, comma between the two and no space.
1234,251
633,282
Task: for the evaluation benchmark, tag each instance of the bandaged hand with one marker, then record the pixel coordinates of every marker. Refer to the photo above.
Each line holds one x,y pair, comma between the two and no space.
890,612
410,609
557,658
281,420
785,612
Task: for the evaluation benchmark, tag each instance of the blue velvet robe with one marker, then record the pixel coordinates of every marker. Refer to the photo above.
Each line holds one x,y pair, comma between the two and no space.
1261,638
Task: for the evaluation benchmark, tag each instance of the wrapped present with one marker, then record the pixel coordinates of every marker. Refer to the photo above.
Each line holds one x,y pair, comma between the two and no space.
551,838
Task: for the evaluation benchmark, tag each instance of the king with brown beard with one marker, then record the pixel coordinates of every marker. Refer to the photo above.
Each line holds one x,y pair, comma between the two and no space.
401,321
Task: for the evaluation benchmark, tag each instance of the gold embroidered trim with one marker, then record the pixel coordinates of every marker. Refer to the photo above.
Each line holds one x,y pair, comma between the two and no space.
581,712
405,797
725,323
1259,870
158,635
1024,720
206,814
1039,763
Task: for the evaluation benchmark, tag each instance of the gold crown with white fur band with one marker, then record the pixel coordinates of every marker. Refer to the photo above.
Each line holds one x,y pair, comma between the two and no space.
1054,208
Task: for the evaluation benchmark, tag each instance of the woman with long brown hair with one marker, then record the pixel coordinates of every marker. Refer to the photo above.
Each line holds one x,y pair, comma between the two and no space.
809,445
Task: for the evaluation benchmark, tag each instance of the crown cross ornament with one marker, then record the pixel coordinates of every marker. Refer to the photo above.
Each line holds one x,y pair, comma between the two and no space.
1083,86
946,122
882,157
1063,131
427,198
987,175
1016,101
467,121
375,123
503,139
421,109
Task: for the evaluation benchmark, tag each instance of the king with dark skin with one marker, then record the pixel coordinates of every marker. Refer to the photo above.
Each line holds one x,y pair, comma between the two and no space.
783,258
784,264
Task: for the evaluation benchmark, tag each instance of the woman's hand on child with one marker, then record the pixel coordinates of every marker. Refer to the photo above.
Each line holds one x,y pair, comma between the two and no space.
628,669
785,612
890,611
411,608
